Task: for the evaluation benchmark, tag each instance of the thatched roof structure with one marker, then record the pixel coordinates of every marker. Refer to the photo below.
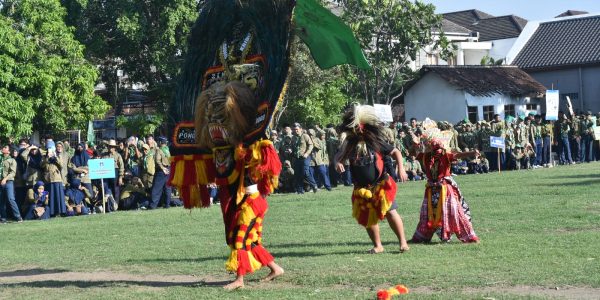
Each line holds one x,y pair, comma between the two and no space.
486,81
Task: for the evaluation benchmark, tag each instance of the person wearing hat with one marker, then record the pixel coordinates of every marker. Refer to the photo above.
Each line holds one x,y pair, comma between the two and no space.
115,183
303,147
161,176
587,145
7,189
52,168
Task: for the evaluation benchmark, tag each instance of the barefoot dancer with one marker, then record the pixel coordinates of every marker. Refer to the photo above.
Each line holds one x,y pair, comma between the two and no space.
444,207
234,75
374,189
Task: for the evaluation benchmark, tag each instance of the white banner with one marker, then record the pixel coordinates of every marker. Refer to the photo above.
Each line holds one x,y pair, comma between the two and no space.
552,97
384,112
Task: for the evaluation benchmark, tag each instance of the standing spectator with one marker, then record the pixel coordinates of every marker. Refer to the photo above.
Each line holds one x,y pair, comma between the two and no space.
132,157
36,207
575,138
564,149
7,188
115,183
275,139
345,175
33,159
332,144
79,168
19,182
161,176
148,166
587,129
547,142
322,161
64,159
303,147
52,176
538,140
286,145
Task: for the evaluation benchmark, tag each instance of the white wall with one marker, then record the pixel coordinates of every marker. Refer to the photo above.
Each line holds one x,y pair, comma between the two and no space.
435,98
500,48
498,101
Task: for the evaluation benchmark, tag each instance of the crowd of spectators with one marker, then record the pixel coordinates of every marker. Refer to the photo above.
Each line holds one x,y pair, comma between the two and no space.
307,155
52,179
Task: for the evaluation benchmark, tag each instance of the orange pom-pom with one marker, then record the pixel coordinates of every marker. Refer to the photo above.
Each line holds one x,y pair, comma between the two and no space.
383,295
402,289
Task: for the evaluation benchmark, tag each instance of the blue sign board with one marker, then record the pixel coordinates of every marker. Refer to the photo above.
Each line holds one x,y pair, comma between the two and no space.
496,142
101,168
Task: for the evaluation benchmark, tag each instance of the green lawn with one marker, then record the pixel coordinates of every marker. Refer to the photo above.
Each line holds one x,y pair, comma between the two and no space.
539,231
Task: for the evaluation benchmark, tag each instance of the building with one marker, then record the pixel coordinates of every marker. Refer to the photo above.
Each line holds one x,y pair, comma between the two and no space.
452,93
563,54
476,35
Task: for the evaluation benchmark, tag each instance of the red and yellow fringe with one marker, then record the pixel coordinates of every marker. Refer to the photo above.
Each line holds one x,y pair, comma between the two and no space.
389,293
191,174
369,206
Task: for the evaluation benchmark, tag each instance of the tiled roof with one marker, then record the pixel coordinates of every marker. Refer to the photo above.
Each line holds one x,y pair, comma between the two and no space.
489,27
487,81
498,28
466,18
569,13
449,26
574,41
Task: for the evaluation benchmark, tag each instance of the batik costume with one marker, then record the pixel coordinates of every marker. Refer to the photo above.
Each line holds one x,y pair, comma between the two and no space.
444,208
234,76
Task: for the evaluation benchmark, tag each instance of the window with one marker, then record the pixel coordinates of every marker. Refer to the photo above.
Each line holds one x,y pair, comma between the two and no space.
432,59
473,114
488,112
531,107
509,110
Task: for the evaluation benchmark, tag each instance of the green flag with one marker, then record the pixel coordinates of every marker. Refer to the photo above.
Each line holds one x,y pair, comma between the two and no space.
91,137
331,42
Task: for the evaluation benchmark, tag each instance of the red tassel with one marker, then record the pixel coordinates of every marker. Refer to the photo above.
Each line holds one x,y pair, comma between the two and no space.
262,255
243,263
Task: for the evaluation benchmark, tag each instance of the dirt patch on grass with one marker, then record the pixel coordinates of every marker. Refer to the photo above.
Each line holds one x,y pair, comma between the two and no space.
568,292
41,278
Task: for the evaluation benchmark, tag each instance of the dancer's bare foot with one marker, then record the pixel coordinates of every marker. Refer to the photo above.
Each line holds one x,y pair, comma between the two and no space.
275,272
404,248
376,250
234,285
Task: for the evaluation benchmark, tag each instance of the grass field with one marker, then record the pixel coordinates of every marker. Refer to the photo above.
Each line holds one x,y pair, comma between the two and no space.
539,231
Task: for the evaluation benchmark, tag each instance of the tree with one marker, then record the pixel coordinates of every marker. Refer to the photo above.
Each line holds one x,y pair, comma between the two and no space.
140,124
314,96
490,61
146,39
45,81
391,32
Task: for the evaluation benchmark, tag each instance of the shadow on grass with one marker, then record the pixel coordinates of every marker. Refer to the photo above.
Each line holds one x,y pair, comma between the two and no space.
574,183
110,283
581,176
31,272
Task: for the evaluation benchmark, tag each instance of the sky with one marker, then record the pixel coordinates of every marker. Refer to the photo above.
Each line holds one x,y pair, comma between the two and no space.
528,9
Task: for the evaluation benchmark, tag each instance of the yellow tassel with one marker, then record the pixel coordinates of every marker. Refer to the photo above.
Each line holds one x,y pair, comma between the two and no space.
179,171
232,263
254,264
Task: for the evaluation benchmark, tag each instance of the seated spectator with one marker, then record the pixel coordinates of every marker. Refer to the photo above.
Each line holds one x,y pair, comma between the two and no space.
133,194
286,178
459,167
36,203
78,198
413,168
213,192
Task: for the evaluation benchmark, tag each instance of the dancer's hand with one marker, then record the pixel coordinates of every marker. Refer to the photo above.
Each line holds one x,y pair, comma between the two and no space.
402,174
339,167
